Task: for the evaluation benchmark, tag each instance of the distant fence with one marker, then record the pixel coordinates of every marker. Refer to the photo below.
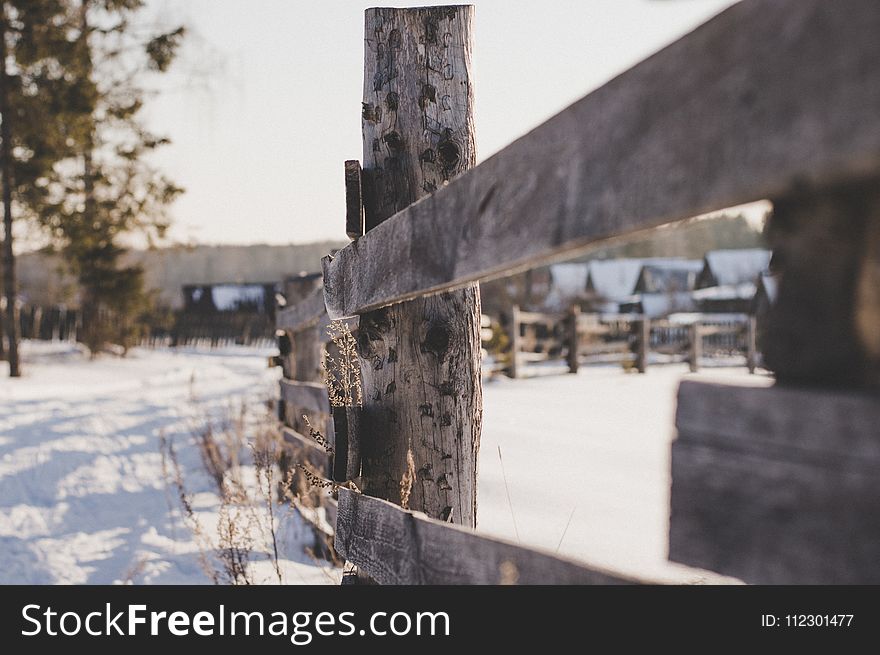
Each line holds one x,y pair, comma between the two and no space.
49,323
215,329
601,338
777,485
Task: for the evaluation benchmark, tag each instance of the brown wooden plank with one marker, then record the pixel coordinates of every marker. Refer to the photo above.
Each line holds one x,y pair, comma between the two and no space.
354,205
539,317
309,397
303,314
744,108
776,485
395,546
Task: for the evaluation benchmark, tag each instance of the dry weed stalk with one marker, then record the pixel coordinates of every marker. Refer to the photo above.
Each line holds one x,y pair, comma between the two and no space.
319,438
342,374
247,513
174,475
406,482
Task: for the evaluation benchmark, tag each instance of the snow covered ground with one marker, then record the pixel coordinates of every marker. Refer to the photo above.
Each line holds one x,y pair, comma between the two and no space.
83,497
592,449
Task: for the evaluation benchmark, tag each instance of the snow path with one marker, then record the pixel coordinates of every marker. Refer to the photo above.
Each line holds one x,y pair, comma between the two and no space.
83,499
82,493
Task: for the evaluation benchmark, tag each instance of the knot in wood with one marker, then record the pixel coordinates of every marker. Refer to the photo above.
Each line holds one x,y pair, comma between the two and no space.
393,140
449,154
437,340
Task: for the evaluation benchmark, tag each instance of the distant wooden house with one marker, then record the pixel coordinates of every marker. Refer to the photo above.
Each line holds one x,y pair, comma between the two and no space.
668,276
252,298
729,279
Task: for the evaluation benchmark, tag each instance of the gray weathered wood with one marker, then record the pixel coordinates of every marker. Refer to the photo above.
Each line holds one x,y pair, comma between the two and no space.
309,450
752,344
643,343
695,346
347,459
305,313
573,338
307,396
746,107
818,331
420,360
515,341
395,546
540,317
354,207
777,485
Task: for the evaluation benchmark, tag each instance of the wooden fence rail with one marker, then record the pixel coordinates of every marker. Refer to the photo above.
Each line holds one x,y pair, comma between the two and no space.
584,338
771,99
396,546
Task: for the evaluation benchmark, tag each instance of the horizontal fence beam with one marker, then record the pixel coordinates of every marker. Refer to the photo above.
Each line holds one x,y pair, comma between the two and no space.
767,96
305,313
306,396
395,546
776,485
532,318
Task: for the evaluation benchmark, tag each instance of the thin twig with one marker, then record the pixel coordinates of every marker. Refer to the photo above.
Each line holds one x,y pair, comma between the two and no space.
507,489
570,516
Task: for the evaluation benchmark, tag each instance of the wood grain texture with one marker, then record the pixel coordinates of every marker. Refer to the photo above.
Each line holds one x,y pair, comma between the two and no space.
766,96
776,485
395,546
303,313
308,396
420,360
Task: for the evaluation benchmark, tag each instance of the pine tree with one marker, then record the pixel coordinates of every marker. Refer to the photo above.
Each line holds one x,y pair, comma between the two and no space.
109,190
40,110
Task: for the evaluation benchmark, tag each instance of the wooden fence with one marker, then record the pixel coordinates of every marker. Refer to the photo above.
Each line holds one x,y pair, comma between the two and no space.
749,106
626,338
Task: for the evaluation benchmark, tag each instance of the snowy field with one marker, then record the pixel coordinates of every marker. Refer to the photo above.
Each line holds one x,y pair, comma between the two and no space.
83,497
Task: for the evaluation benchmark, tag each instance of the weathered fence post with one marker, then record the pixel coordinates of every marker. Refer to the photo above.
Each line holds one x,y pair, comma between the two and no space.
695,346
515,339
305,358
643,343
752,343
573,338
420,359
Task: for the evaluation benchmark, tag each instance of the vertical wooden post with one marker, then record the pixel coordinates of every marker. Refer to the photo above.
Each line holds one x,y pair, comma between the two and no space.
420,360
515,341
573,339
822,328
695,347
643,345
306,343
752,343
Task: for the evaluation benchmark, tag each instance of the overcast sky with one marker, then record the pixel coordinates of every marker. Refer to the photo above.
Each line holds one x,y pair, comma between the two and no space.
264,104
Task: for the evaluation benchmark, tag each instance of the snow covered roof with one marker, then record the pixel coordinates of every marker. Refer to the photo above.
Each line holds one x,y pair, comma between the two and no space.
616,279
569,280
669,275
661,304
732,267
